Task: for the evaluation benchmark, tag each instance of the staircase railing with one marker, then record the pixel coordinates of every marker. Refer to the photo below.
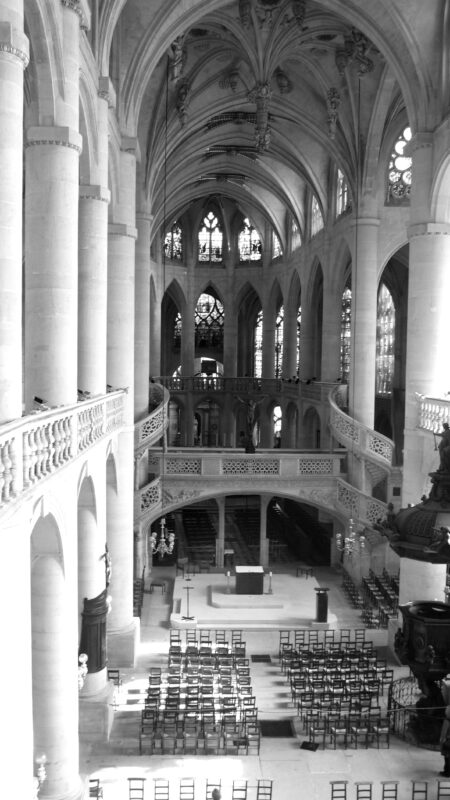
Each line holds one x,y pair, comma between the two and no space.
149,430
357,437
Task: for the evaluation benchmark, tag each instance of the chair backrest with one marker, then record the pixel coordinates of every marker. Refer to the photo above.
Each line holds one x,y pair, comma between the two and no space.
136,788
264,789
389,790
187,788
338,790
161,788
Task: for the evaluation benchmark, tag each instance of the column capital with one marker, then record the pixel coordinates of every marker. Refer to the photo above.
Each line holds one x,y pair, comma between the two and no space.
81,8
429,229
53,135
14,43
145,216
106,90
129,144
92,192
120,229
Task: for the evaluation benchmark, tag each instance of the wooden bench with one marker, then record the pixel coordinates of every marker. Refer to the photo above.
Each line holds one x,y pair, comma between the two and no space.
304,570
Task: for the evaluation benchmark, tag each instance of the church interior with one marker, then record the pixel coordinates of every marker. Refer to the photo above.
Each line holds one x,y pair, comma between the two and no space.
224,414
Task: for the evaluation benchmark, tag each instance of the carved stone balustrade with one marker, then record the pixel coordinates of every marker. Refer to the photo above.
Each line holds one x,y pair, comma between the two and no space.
35,447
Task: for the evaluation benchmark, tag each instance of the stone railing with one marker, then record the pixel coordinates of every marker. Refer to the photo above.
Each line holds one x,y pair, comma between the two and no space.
35,447
355,436
359,506
150,429
315,391
201,469
433,412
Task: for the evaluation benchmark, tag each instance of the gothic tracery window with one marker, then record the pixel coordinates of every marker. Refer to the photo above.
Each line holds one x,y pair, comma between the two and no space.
299,325
346,334
249,243
385,341
257,348
210,239
316,217
276,246
177,330
279,331
173,243
209,319
399,172
342,194
296,239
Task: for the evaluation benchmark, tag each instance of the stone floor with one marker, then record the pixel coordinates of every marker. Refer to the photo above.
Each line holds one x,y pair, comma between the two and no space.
296,773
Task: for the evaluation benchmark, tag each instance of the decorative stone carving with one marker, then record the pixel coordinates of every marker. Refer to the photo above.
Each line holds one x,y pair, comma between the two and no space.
333,103
244,12
355,49
283,82
177,59
182,102
298,10
261,95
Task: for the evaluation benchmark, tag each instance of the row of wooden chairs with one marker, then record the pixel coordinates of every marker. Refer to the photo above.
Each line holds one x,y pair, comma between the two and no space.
238,739
389,790
353,730
188,789
301,638
206,636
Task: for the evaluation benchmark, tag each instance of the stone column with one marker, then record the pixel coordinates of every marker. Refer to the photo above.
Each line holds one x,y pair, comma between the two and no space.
331,331
51,236
155,324
230,345
122,629
13,60
268,354
307,342
263,540
51,261
92,288
364,320
220,541
55,687
142,316
290,341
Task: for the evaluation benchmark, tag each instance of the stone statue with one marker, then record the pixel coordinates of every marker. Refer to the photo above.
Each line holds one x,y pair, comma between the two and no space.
444,448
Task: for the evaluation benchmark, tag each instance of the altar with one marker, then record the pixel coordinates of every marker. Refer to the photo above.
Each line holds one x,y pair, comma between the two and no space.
249,580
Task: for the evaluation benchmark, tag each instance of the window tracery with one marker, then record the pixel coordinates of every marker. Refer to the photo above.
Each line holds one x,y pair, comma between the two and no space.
173,242
257,348
385,341
316,217
279,332
209,319
299,325
399,171
343,203
346,334
210,239
249,243
276,246
296,239
177,330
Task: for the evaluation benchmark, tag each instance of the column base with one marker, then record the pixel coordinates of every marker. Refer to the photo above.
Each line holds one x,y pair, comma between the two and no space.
96,714
122,645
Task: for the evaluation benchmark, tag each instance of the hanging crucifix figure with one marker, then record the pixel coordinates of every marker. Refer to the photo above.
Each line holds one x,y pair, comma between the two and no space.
250,406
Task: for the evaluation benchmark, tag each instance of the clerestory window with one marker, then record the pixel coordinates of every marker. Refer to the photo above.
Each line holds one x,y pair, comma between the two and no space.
249,243
399,172
210,239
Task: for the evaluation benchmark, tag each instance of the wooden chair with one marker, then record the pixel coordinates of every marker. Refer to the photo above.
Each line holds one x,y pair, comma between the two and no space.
136,788
95,790
264,789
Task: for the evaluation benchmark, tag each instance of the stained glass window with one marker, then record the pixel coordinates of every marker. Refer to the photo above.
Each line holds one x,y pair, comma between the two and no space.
279,330
173,245
296,239
209,320
399,172
342,194
316,217
257,351
177,330
249,243
299,325
385,341
276,246
210,239
346,334
277,419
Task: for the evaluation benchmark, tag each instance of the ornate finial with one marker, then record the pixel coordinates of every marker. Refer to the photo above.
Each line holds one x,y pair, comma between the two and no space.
333,103
355,49
244,12
182,101
177,61
261,95
283,82
298,10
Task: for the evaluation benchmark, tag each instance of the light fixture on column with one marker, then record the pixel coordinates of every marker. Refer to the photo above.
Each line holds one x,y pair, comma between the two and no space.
164,544
353,543
82,670
40,776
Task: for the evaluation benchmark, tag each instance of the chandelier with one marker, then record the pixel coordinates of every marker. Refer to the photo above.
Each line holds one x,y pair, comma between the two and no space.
163,545
353,543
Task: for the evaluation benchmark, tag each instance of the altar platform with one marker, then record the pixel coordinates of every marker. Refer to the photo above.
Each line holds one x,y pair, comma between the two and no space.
287,601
